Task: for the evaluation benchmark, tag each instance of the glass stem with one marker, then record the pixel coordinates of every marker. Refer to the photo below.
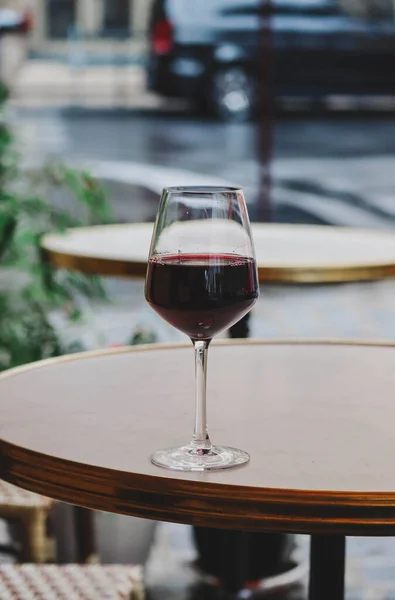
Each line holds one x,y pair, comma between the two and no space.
200,442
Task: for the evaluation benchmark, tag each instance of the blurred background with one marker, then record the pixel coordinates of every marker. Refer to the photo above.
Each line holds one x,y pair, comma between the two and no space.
293,100
296,91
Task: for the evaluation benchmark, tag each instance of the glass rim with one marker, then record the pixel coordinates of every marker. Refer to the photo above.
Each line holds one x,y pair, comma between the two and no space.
201,189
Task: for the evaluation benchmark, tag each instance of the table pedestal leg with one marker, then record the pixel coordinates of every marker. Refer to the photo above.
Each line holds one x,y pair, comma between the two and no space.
234,564
85,535
327,567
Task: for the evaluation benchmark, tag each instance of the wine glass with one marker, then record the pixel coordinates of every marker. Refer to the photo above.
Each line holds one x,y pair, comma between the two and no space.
201,278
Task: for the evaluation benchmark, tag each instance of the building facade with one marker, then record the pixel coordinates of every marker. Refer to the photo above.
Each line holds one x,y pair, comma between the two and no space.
56,19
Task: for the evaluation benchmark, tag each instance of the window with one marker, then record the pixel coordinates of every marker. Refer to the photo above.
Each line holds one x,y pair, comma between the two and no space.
287,7
117,15
306,7
383,9
61,16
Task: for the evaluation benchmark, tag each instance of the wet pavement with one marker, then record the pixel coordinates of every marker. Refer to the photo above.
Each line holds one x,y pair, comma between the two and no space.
330,169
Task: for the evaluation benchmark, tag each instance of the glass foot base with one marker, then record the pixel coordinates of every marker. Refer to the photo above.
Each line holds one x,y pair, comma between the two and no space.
186,458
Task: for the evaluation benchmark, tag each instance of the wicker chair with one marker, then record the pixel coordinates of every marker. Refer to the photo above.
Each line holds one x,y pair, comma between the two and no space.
29,511
71,582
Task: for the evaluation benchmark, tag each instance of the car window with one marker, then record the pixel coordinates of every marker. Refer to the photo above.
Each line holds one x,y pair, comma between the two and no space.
370,9
306,7
242,8
286,7
384,9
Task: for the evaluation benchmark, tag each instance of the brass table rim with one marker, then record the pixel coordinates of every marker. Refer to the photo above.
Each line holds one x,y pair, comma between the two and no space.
178,345
119,267
266,508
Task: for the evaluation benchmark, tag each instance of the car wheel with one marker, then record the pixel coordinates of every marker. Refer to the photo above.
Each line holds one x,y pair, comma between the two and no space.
233,94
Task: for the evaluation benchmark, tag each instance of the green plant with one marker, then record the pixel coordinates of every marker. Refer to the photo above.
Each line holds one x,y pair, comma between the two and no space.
30,290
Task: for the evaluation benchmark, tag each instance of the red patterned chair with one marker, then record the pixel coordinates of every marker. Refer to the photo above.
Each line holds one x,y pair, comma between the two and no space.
71,582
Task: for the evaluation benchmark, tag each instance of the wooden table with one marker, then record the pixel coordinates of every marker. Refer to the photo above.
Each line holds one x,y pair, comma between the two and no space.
316,418
285,253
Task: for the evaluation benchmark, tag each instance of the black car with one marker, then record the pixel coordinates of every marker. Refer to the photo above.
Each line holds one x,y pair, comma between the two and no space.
219,52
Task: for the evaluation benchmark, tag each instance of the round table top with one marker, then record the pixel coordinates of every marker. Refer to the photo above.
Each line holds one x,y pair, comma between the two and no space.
285,253
316,418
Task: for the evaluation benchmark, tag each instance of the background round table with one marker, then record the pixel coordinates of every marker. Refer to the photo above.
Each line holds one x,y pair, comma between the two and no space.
316,418
285,253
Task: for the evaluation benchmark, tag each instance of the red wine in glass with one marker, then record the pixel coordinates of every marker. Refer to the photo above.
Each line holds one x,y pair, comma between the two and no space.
201,278
201,294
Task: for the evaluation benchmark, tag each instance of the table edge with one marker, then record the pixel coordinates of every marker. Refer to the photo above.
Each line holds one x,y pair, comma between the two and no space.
195,502
284,274
126,349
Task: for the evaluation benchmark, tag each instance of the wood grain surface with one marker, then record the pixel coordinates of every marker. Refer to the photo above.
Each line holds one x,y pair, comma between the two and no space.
316,418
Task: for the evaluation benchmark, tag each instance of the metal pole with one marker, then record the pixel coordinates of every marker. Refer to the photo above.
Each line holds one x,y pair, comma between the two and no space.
327,567
266,117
